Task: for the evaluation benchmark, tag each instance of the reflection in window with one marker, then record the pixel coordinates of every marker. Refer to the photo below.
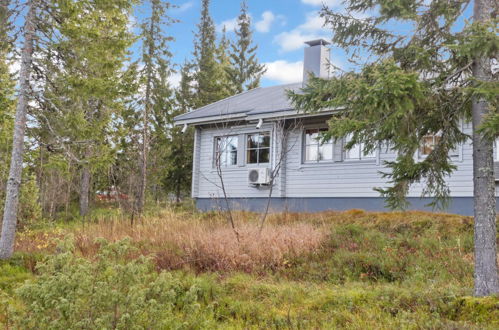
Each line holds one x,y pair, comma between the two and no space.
315,151
226,151
430,142
356,152
258,148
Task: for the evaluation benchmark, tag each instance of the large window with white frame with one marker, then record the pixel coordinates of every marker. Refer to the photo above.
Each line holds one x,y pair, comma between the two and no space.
226,150
258,148
357,151
315,149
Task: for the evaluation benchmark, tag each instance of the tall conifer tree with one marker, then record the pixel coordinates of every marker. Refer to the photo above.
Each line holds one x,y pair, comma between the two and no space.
245,72
156,61
419,84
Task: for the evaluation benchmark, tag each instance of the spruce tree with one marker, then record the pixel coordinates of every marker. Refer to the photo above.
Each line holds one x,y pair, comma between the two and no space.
156,62
208,73
83,88
224,66
411,85
245,71
177,179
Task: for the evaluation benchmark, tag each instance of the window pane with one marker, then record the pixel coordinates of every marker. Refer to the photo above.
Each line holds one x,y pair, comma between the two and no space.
371,154
233,158
253,141
427,145
311,136
326,152
265,140
353,153
311,153
252,156
264,155
226,152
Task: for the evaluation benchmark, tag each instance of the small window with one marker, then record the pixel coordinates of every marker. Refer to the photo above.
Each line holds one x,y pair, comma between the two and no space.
356,152
428,145
226,151
258,148
315,151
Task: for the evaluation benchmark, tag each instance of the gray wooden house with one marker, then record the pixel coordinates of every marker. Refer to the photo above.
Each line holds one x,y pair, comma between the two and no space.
257,140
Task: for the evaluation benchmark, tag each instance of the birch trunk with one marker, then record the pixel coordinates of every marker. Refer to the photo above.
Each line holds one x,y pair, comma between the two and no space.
16,163
84,190
486,272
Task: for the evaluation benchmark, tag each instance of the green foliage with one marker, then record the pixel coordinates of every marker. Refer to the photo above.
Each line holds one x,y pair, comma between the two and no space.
406,87
377,270
111,292
29,206
245,71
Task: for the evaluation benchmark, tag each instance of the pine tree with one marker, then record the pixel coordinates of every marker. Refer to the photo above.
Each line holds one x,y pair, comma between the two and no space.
156,58
245,72
419,84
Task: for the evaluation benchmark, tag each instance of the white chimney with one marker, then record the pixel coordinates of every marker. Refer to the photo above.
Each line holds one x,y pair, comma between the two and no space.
316,59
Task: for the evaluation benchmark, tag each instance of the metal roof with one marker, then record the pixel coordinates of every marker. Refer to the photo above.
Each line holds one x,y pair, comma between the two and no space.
255,102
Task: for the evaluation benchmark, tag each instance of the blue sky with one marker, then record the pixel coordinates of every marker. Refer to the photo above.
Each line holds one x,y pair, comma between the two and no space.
280,28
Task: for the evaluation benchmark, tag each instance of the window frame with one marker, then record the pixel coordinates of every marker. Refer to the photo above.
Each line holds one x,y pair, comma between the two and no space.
361,158
215,150
318,145
455,157
258,148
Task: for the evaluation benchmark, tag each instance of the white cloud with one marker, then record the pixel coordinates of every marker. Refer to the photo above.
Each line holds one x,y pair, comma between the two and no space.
313,28
330,3
184,7
284,72
230,25
264,24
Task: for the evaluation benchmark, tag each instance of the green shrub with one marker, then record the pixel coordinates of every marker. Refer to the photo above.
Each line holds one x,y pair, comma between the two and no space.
110,292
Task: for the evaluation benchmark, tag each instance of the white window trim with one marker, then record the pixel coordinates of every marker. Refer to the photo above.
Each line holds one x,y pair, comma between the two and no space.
215,146
374,159
246,148
304,161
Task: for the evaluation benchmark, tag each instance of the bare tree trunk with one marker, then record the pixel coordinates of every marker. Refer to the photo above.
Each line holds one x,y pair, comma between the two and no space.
84,190
486,273
16,163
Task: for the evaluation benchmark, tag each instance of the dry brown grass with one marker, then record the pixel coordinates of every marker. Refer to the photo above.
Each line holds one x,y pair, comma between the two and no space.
208,243
205,242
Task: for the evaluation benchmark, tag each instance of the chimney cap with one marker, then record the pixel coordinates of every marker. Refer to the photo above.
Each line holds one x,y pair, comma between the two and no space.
317,42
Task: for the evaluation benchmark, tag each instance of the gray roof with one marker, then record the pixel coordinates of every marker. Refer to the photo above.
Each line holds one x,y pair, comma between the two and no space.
258,101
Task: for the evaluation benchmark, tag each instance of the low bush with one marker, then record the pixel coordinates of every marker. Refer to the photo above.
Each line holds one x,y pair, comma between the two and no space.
110,293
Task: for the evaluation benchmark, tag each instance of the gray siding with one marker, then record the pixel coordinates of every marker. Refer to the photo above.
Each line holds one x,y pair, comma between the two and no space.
338,178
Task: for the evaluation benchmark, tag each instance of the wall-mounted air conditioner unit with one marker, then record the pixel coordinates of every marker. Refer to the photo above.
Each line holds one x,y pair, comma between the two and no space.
258,176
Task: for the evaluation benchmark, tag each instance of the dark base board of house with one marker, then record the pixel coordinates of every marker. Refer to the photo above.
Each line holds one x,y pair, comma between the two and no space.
458,205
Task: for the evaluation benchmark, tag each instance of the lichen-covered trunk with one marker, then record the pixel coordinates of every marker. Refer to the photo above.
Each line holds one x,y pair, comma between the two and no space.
84,190
486,271
16,162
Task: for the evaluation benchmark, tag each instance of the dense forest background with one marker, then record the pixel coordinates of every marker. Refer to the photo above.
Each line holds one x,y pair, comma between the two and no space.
100,103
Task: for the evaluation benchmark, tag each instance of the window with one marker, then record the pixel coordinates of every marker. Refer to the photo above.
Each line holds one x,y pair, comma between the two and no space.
428,145
356,152
496,150
315,151
226,151
258,148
